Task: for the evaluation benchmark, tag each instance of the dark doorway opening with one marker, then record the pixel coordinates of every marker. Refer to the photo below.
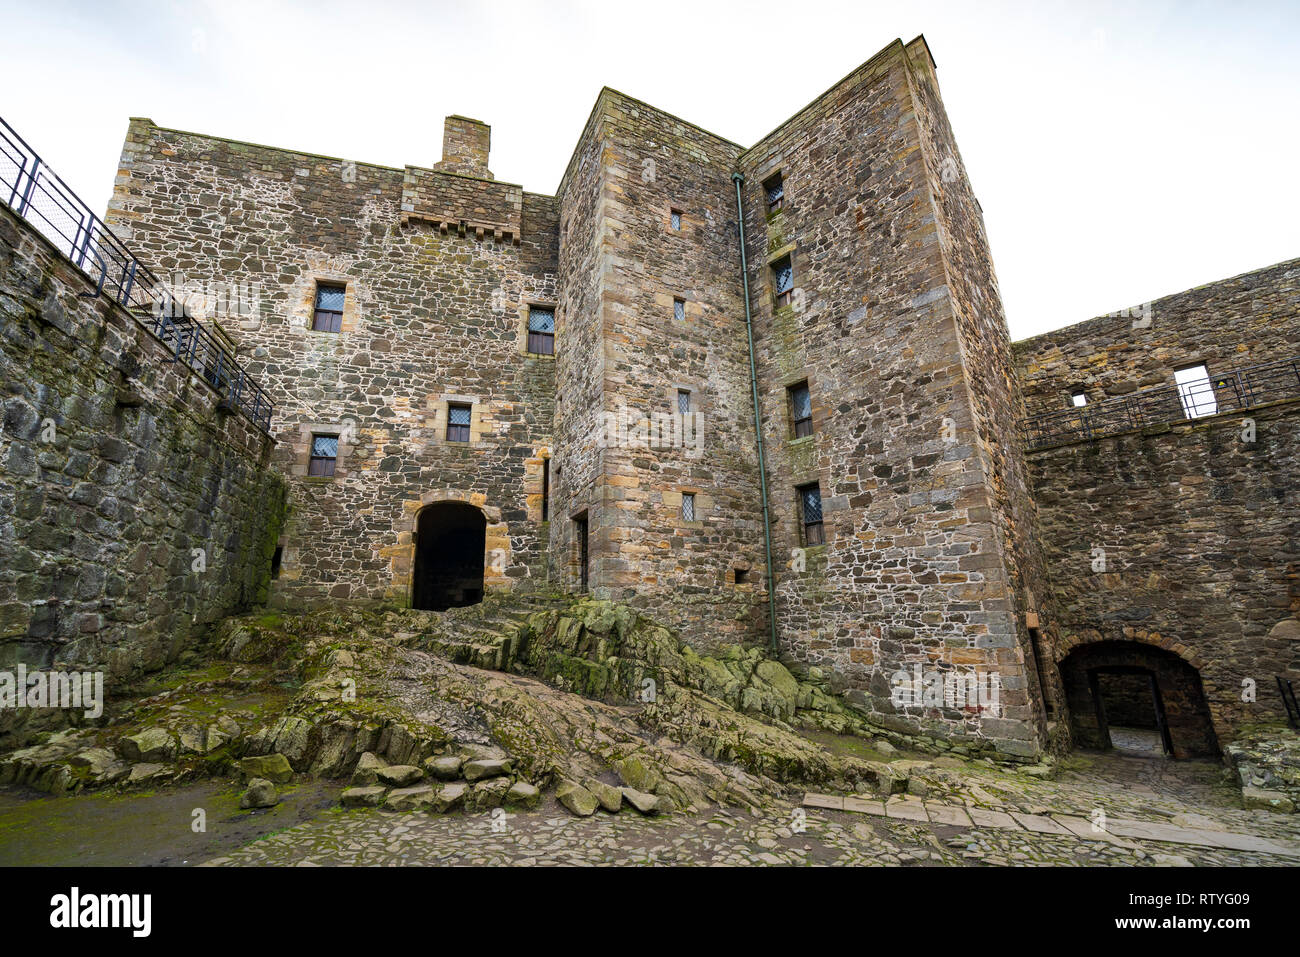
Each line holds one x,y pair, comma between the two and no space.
584,555
1138,699
450,538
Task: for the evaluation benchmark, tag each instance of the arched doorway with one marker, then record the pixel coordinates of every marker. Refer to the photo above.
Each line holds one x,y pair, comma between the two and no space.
1138,699
450,538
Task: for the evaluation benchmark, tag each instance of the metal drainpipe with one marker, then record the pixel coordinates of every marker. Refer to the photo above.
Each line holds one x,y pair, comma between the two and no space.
739,178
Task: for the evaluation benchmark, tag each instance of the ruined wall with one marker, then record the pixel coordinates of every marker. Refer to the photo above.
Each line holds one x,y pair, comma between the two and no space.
438,281
1198,526
628,454
913,569
115,465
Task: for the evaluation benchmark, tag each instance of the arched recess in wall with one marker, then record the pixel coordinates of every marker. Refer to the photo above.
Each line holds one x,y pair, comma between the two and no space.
450,556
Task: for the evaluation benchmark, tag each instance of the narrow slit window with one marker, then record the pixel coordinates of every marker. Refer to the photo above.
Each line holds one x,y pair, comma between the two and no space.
1196,391
675,220
580,540
541,331
810,514
783,280
801,410
679,310
688,506
683,402
329,308
774,191
546,490
324,455
458,419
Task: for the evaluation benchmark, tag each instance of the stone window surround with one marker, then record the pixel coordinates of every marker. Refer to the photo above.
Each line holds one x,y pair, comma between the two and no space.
797,511
740,566
300,443
668,219
302,310
436,430
769,278
533,466
402,555
805,377
672,498
694,310
522,330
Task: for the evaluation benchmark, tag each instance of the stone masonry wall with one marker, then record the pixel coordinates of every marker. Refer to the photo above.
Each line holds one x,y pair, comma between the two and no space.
913,570
115,465
1199,526
431,317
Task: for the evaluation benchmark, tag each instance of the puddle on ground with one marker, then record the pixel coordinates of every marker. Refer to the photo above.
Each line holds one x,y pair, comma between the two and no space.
148,828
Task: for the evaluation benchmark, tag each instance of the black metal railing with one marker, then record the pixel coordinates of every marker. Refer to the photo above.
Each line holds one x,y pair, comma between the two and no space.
1229,392
36,193
1288,698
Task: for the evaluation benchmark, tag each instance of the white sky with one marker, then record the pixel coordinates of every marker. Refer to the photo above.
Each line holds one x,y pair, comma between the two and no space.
1121,151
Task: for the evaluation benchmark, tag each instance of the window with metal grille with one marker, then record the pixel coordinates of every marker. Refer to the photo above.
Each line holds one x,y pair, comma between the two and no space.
783,280
679,310
683,402
774,190
675,219
688,506
324,453
801,409
329,308
810,513
541,331
458,417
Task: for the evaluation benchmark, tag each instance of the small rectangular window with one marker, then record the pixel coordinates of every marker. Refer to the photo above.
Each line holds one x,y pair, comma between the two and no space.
458,418
801,410
688,506
324,454
1078,400
774,190
683,402
541,331
810,513
742,575
675,220
679,310
1196,391
329,308
783,280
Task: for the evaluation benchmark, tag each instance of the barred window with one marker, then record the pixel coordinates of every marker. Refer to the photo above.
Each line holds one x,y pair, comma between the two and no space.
810,510
688,506
783,280
683,402
458,417
541,331
329,308
801,409
324,455
774,190
679,310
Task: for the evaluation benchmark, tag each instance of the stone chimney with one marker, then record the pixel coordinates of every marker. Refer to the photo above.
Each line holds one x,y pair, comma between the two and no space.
465,145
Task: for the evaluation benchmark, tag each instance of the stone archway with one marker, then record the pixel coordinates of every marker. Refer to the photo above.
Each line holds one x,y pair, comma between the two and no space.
450,543
1138,687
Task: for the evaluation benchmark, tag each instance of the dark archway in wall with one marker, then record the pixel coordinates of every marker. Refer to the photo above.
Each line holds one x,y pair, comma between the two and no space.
450,538
1135,685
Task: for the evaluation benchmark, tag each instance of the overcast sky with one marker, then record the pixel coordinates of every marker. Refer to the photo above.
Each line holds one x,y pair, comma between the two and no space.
1121,151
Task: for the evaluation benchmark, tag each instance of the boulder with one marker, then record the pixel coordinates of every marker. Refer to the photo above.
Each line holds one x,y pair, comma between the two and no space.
366,772
489,793
399,775
1266,800
523,794
151,746
481,768
417,798
449,797
610,797
260,793
648,804
148,773
444,768
577,799
364,797
272,767
636,773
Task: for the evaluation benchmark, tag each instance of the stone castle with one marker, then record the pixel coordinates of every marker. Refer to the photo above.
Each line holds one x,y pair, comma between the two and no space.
482,389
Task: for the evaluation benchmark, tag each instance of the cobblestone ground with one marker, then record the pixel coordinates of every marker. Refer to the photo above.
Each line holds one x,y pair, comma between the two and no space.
1142,790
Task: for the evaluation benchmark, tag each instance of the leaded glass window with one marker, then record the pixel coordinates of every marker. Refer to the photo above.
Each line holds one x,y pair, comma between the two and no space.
324,455
783,280
458,418
676,220
774,189
810,505
688,506
801,409
329,308
683,402
541,331
679,310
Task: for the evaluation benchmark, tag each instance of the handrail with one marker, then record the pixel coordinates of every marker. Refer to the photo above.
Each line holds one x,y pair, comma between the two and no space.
40,196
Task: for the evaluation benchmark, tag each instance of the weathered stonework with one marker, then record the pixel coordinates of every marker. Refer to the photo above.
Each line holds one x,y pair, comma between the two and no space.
133,511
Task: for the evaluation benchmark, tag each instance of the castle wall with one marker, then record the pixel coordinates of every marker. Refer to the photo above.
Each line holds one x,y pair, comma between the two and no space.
1198,526
438,279
627,264
914,569
116,467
